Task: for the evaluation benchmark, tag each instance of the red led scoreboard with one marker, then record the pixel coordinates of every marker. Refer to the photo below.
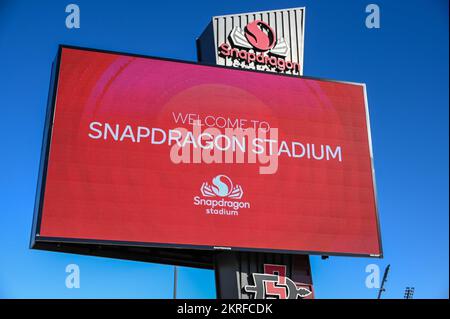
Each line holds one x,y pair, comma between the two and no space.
152,153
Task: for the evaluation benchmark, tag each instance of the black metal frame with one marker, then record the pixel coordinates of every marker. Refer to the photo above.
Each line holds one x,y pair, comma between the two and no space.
182,254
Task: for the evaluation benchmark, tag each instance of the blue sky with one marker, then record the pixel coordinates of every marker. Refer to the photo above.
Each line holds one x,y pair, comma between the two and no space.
405,67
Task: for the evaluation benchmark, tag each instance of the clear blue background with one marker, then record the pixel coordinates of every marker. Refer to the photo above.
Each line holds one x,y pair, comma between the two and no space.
405,66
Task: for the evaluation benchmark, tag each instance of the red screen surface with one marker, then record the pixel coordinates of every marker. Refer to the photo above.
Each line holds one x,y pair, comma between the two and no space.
141,151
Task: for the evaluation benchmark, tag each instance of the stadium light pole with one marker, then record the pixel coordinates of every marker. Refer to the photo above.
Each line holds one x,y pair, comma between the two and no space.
382,289
175,282
409,293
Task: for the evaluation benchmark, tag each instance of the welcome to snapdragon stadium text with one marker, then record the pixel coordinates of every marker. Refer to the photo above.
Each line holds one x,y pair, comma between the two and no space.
212,145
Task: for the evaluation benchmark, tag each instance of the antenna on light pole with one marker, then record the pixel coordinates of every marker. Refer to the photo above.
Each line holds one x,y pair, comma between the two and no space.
382,289
409,293
175,282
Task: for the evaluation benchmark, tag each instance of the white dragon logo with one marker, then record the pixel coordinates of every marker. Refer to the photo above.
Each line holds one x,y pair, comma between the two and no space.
222,186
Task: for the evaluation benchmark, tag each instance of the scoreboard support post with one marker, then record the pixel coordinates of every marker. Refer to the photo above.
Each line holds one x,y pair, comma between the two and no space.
234,272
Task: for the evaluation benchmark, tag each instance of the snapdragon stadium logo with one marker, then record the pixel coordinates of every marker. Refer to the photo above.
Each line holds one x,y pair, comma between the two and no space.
273,284
260,36
221,197
251,45
222,186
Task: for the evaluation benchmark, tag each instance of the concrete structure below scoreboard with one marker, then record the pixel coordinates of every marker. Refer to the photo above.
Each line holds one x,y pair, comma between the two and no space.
251,275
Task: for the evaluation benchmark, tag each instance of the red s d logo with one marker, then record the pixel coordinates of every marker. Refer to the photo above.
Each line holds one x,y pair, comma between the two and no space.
260,35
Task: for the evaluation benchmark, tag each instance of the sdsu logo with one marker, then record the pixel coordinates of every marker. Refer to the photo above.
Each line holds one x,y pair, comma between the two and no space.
251,45
222,186
273,284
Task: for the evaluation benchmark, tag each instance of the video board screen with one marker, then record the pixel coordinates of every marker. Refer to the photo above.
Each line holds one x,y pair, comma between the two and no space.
152,151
